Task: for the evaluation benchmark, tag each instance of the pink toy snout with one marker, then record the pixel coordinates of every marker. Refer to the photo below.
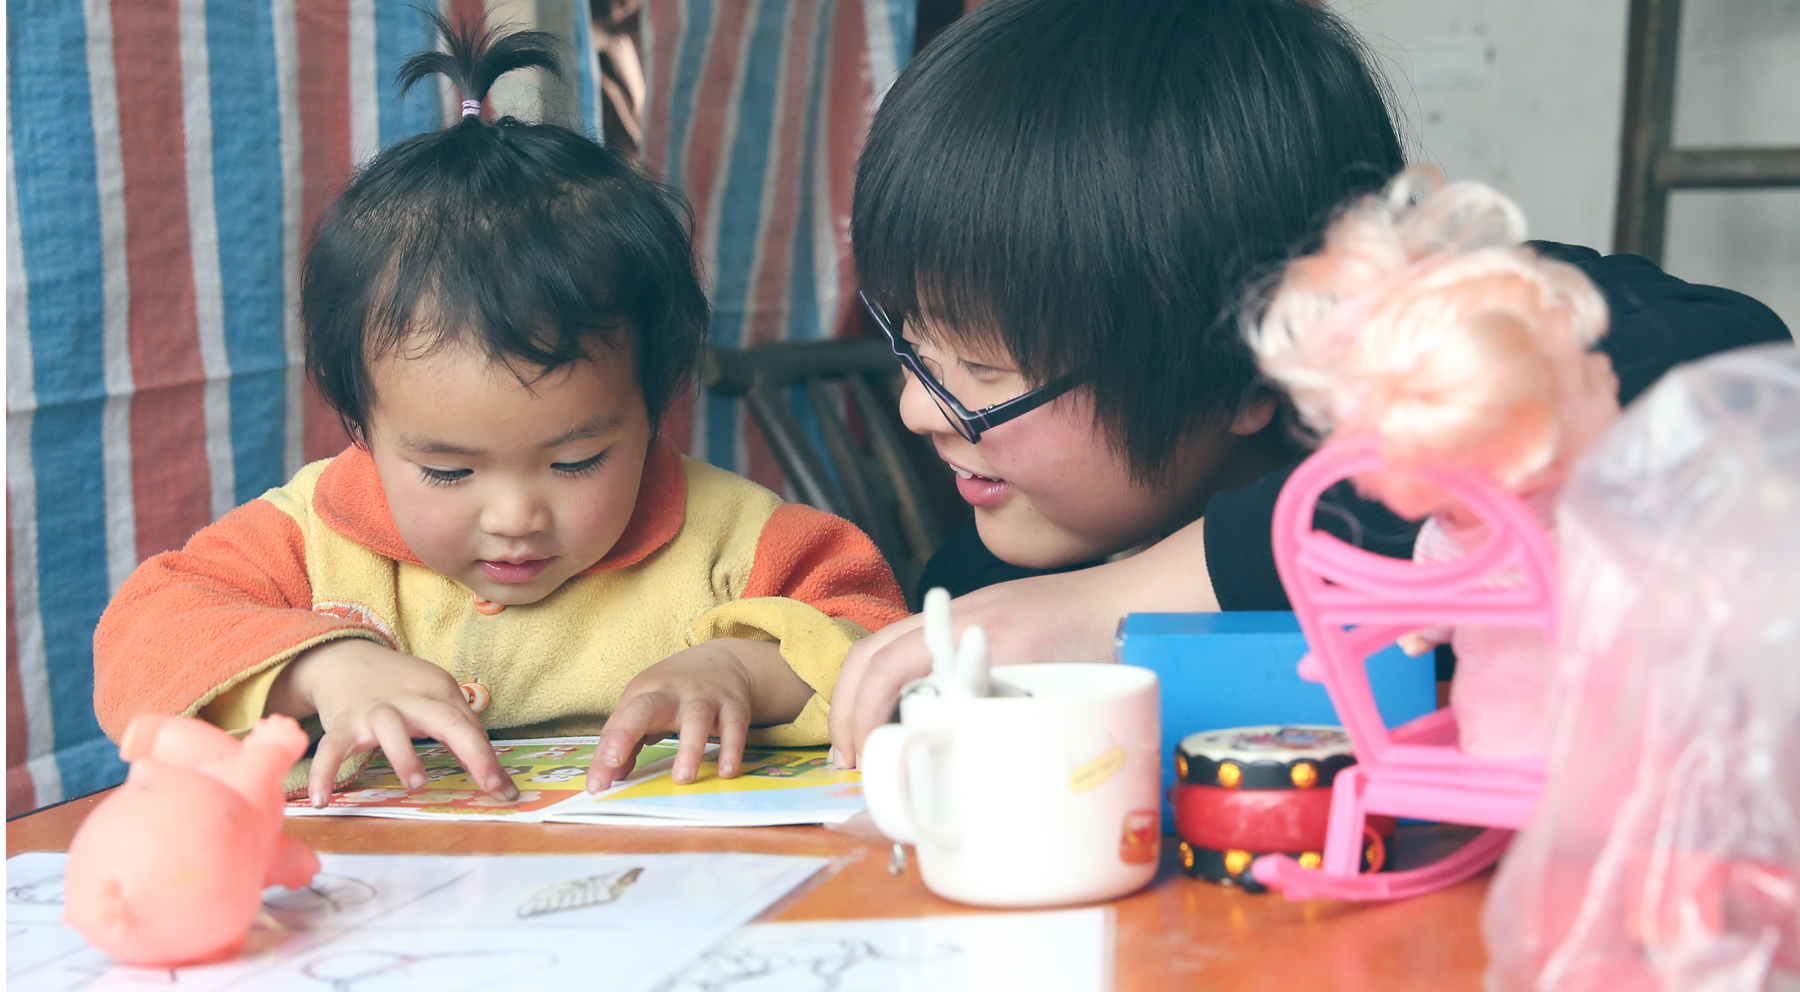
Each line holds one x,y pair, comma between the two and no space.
170,869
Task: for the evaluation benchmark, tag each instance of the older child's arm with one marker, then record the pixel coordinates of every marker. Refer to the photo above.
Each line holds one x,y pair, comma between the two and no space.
719,687
1069,616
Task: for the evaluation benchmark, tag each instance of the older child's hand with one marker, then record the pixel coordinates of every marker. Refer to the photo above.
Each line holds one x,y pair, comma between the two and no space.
367,695
1067,616
719,687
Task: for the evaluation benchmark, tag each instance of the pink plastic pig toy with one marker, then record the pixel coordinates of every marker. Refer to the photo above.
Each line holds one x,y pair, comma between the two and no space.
170,869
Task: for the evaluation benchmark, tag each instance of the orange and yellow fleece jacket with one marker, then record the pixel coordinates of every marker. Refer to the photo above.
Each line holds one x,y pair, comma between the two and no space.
205,630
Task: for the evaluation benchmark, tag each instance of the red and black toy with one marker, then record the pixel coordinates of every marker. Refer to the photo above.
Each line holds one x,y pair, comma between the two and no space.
1244,792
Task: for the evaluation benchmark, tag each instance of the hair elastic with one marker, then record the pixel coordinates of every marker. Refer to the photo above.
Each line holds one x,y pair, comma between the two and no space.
471,108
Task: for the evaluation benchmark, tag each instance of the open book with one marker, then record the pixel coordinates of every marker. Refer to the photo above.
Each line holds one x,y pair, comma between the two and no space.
776,786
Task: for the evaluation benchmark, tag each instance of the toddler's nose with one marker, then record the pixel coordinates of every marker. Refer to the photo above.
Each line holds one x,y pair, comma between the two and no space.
515,515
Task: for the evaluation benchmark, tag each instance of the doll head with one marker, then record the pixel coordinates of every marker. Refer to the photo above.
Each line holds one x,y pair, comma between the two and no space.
1424,322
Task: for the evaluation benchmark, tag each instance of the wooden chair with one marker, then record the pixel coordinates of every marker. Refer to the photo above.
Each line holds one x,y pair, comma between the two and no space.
866,473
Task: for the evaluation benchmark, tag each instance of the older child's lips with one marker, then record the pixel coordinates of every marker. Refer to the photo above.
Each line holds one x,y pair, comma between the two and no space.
977,491
514,571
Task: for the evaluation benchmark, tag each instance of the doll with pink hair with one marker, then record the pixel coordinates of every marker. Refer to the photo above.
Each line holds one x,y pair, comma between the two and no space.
1423,321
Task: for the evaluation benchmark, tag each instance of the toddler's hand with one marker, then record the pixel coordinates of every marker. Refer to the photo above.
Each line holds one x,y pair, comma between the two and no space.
718,687
367,695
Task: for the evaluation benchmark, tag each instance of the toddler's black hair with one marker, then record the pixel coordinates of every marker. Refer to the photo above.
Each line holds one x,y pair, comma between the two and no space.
526,241
1094,185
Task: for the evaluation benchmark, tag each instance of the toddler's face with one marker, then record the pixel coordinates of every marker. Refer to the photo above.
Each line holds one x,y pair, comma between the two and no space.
509,488
1048,489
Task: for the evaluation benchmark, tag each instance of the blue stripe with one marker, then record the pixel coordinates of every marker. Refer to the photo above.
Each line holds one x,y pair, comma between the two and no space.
59,231
401,30
584,74
247,198
695,38
903,21
740,207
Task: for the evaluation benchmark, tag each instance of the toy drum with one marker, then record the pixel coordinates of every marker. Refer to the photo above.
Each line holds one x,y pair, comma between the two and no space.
1248,791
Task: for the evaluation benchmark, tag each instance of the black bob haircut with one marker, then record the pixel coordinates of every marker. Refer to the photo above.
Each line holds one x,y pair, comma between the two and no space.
1095,187
528,242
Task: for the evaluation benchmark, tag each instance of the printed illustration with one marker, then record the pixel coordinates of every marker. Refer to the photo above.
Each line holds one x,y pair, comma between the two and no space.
580,893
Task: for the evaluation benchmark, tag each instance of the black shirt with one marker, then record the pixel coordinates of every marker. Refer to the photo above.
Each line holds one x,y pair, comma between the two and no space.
1657,322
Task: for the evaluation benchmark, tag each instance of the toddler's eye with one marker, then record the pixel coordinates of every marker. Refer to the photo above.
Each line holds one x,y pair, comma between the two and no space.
582,467
443,476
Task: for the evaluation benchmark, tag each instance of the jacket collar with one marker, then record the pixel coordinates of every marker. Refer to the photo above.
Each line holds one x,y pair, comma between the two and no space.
350,500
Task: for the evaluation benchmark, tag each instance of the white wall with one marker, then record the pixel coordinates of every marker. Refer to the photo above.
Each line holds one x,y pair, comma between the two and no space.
1528,95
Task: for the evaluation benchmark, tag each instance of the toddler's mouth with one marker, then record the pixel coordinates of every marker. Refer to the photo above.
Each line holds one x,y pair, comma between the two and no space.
511,572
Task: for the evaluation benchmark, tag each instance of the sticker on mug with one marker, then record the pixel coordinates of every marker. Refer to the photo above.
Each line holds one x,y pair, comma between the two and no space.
1138,837
1091,773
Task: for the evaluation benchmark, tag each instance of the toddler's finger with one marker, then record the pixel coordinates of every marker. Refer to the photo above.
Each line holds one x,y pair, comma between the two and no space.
621,737
734,726
466,738
333,748
390,732
696,726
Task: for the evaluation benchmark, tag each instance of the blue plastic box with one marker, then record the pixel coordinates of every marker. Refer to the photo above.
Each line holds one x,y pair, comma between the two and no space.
1238,670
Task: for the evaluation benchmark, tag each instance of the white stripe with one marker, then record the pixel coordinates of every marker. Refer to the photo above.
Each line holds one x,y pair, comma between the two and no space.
293,190
825,228
115,289
365,105
884,57
203,241
21,488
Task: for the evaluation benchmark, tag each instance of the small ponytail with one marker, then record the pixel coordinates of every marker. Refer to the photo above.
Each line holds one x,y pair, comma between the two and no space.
477,57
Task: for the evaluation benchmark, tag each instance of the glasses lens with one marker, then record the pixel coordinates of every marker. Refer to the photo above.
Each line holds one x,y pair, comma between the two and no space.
962,427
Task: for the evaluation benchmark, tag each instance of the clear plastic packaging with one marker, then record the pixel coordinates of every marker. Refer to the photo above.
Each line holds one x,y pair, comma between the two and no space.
1666,852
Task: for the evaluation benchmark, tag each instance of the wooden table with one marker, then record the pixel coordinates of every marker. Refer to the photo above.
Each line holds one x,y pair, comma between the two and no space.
1177,934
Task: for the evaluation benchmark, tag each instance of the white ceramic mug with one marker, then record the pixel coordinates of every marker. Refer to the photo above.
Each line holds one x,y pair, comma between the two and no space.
1039,798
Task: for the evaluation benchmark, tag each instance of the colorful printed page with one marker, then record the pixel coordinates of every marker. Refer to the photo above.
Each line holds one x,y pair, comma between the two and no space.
776,787
549,772
368,923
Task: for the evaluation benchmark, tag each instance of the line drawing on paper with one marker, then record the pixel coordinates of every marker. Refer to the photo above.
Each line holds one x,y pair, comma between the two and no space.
327,895
822,967
43,892
580,893
368,971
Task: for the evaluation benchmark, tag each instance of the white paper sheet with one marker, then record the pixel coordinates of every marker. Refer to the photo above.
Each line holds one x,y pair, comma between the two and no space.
372,923
1062,951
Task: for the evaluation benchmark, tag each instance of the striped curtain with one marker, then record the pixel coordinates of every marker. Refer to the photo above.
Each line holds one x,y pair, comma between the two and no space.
164,160
756,111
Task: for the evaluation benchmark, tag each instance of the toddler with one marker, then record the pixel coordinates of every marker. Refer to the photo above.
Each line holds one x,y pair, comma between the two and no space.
500,313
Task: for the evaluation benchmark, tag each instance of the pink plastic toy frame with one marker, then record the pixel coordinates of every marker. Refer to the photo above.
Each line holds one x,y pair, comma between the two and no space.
1352,603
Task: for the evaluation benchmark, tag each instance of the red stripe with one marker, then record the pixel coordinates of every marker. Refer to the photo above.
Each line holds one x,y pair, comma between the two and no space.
322,34
669,20
21,791
171,484
706,124
852,106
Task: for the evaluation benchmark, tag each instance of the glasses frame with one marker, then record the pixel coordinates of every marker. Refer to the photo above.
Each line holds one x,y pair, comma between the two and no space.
969,424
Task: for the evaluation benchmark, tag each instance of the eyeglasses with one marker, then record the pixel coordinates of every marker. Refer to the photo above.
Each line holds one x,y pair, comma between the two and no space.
969,424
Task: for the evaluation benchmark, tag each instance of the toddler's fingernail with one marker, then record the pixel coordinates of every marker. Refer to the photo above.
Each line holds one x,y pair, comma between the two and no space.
416,782
318,801
838,760
684,776
727,770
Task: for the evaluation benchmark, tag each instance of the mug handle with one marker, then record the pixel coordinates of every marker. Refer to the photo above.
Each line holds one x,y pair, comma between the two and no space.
888,787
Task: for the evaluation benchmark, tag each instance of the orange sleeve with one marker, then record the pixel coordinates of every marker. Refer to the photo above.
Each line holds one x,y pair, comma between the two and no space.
189,624
824,561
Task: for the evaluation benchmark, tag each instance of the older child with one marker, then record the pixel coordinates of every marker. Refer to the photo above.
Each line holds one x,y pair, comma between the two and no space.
500,312
1058,211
